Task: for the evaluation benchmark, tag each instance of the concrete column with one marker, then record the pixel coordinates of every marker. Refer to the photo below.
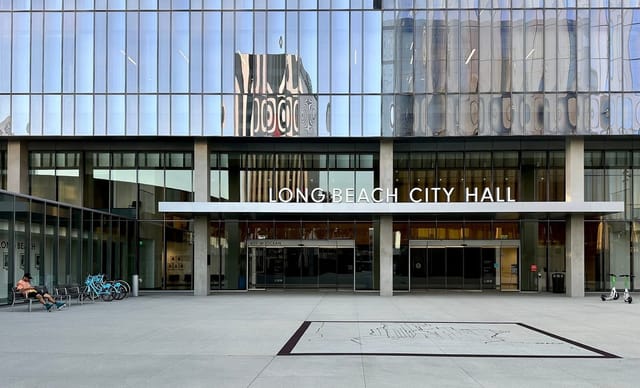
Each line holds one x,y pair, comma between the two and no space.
574,169
386,256
386,221
200,249
17,166
574,277
201,222
574,191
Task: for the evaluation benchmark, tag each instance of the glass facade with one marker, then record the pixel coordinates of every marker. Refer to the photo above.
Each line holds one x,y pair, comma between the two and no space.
319,68
108,108
60,244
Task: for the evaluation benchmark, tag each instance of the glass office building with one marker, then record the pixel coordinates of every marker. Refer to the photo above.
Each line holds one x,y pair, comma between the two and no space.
372,145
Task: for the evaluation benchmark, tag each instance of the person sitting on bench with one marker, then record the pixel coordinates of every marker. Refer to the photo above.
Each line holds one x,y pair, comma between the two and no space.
24,286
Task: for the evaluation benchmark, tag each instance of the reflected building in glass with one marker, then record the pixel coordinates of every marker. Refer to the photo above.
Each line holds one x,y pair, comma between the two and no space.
387,145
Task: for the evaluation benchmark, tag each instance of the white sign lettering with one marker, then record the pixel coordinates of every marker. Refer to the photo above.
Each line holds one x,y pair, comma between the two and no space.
380,195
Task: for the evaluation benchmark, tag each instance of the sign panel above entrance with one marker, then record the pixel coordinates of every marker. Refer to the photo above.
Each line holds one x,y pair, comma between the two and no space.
591,208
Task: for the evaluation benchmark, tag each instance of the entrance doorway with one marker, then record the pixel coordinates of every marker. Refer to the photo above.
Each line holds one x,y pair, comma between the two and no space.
472,265
301,264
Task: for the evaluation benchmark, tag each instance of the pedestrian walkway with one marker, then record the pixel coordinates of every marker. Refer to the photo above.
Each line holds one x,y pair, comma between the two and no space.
325,339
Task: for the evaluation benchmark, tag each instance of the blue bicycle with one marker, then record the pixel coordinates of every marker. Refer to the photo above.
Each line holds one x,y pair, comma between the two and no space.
96,287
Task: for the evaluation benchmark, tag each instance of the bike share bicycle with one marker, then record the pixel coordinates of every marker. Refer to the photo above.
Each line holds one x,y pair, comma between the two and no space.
97,287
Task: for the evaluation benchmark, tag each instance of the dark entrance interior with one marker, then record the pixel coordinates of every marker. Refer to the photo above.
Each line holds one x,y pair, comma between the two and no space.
277,264
460,266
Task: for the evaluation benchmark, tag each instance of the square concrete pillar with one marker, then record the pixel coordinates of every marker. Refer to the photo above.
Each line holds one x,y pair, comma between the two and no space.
574,278
574,192
386,221
17,167
386,256
200,250
201,178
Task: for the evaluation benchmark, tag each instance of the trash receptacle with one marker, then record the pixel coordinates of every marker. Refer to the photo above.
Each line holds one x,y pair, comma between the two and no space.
557,282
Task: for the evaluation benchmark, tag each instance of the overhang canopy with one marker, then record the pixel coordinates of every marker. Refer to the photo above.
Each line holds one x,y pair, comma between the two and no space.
389,208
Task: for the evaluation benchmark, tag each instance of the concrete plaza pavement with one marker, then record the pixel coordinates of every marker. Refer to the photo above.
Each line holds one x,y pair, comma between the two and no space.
233,340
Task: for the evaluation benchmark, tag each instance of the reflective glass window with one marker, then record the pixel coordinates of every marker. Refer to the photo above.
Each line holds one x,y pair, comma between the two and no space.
52,115
164,115
275,33
116,52
309,50
100,59
195,115
631,52
228,50
211,52
340,52
68,52
53,52
291,39
37,41
371,55
84,46
211,111
148,46
148,115
35,120
179,114
115,114
131,52
615,49
324,47
68,115
195,62
180,52
100,115
164,52
84,115
20,53
131,124
20,114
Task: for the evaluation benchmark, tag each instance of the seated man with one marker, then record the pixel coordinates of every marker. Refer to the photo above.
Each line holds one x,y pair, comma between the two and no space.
24,286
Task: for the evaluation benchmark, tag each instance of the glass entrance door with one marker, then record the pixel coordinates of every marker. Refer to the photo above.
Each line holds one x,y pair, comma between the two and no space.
473,266
301,264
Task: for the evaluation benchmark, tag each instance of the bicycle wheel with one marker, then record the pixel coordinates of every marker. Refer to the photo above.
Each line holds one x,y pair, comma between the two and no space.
126,286
120,291
89,294
107,293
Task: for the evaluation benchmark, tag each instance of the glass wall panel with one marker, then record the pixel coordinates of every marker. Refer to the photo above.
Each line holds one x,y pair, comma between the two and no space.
64,244
195,50
211,53
84,47
180,52
339,52
20,53
147,61
35,245
116,52
51,252
52,52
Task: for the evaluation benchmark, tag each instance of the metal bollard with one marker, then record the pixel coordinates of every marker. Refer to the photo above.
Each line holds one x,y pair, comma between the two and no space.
135,282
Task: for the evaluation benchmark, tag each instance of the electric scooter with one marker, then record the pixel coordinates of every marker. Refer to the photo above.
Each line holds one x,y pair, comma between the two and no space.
626,296
613,294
